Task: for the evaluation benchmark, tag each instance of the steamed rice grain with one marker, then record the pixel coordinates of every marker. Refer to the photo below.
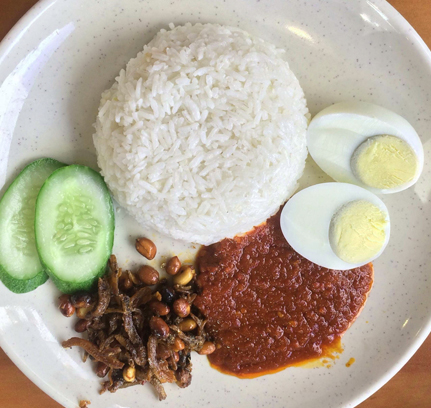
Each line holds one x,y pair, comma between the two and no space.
202,136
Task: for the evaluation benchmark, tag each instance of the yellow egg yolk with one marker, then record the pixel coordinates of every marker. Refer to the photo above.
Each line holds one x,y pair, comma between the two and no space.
357,231
384,162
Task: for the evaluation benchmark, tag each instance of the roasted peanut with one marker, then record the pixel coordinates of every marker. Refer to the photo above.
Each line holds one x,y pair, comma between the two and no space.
187,325
82,325
146,248
159,308
178,344
65,305
82,312
148,275
173,266
129,373
81,300
159,327
181,307
101,369
184,277
208,348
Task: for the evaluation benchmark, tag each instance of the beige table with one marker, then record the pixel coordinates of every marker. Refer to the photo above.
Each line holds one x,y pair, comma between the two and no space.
410,388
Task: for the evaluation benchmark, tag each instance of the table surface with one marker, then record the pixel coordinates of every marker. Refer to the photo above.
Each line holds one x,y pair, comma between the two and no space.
408,389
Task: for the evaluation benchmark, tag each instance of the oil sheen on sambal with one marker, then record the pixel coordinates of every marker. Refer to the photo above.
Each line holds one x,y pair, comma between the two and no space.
268,307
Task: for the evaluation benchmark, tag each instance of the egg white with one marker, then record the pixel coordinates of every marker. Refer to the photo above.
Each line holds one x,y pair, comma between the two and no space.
336,132
306,218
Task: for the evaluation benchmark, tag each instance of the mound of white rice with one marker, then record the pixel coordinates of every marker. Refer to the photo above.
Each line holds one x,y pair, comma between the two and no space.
202,137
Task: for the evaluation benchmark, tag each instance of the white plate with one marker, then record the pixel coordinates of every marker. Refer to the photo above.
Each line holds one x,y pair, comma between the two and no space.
53,67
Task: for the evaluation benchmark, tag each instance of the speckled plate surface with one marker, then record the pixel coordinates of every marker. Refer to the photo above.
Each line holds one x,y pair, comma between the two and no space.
53,67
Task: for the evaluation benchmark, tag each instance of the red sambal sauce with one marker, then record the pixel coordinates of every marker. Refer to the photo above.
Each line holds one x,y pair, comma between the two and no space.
268,307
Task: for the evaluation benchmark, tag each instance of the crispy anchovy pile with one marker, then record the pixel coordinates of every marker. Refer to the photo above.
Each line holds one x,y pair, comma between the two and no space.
125,346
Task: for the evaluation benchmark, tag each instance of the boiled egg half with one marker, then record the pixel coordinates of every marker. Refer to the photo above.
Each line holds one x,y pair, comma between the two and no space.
367,145
336,225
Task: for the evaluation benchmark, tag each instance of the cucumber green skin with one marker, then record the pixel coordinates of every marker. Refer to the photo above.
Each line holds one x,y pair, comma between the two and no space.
73,287
70,287
20,285
25,285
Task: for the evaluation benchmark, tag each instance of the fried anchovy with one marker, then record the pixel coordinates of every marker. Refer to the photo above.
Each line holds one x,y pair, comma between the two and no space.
113,322
114,275
93,350
142,296
194,342
161,393
138,353
162,373
128,321
104,297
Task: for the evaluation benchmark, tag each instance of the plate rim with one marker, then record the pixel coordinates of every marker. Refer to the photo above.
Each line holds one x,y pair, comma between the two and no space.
18,31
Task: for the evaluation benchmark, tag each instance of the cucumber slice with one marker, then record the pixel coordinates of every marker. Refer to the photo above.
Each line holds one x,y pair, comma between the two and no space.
20,268
74,227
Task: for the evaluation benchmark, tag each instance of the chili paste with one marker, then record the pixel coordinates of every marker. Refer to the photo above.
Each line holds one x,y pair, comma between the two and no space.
268,307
